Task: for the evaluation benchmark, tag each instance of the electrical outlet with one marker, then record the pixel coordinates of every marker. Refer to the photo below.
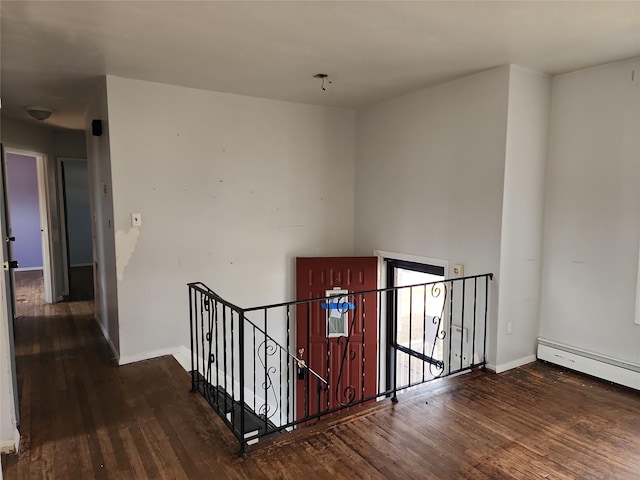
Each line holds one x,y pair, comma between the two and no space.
509,328
458,332
458,270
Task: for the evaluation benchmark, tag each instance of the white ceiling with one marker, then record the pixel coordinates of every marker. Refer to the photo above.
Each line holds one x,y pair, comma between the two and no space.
53,52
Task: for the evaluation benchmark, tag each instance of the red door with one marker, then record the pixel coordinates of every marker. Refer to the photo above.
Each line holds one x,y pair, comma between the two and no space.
347,361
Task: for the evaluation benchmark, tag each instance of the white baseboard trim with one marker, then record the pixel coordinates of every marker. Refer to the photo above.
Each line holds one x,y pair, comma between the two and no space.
503,367
139,357
105,334
183,357
7,446
11,445
459,374
591,363
28,269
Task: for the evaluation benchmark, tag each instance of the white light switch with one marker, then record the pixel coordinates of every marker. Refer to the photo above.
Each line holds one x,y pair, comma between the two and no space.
136,220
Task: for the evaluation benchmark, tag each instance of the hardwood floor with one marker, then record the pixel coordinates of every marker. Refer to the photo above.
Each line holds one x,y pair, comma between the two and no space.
29,290
84,417
30,286
80,283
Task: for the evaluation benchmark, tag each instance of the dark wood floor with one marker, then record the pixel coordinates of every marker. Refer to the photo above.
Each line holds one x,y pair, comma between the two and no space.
80,283
30,286
84,417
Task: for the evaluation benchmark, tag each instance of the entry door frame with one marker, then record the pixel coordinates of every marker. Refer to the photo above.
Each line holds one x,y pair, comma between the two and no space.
384,322
46,238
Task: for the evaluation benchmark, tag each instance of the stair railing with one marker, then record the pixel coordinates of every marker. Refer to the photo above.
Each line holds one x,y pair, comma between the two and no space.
246,364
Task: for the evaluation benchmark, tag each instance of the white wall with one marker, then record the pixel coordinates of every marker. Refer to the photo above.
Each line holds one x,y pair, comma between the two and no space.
430,173
101,200
231,189
592,219
523,216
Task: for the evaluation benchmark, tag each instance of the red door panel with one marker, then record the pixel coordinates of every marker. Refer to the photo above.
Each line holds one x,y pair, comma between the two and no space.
348,363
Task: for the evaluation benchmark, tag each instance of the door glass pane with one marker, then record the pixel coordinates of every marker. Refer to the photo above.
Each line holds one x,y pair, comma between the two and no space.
418,311
337,313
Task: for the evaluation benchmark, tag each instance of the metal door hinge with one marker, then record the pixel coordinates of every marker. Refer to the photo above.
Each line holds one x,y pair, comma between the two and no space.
9,265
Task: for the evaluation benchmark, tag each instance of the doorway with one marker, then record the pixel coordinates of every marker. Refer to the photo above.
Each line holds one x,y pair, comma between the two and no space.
28,225
75,213
416,321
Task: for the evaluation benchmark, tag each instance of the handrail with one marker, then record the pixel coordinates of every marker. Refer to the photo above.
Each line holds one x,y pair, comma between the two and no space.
365,292
301,363
198,286
204,289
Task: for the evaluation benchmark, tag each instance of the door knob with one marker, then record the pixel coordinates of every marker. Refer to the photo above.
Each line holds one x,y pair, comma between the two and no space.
302,371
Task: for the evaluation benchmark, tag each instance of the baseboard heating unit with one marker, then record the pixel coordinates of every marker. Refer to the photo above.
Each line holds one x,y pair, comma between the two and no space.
600,366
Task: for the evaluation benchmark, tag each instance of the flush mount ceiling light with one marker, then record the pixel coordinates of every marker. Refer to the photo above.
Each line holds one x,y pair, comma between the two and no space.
39,113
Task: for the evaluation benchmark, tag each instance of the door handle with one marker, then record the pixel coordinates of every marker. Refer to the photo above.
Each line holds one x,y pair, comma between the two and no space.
10,239
10,265
302,371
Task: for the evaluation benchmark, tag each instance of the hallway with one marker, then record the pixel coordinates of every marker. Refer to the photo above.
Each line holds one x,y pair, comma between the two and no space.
84,417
